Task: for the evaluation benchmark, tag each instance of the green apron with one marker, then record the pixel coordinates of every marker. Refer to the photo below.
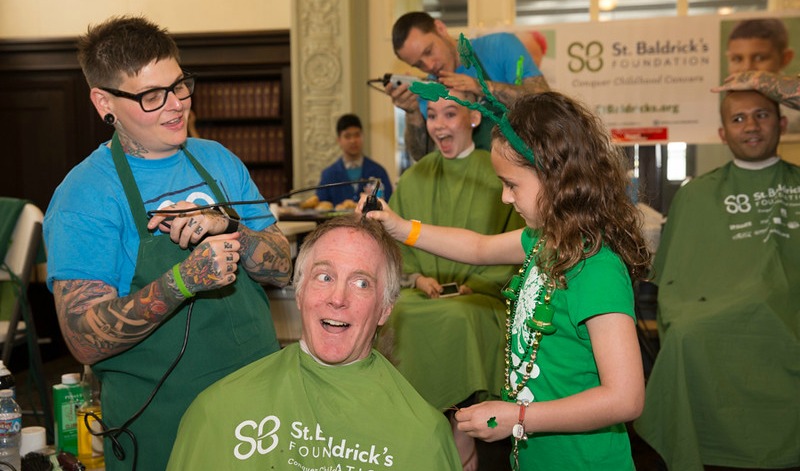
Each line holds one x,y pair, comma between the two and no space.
230,327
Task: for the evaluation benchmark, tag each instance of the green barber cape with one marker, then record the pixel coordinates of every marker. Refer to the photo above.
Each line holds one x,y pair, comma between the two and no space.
450,348
725,387
287,411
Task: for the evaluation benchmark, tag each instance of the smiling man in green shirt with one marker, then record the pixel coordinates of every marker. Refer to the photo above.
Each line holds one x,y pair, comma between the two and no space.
329,401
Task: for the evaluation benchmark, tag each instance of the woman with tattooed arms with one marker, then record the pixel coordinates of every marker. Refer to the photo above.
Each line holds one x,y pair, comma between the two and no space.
130,284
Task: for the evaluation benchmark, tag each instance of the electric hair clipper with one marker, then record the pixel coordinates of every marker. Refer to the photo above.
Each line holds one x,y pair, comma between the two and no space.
372,203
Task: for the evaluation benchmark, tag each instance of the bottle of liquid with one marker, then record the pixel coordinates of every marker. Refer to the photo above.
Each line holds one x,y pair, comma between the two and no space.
90,447
7,379
10,427
67,398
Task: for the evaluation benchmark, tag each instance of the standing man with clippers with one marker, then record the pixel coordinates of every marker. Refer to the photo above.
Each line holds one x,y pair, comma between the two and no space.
423,42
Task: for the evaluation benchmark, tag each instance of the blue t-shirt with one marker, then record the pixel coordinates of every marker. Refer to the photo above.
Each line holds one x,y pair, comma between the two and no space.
89,230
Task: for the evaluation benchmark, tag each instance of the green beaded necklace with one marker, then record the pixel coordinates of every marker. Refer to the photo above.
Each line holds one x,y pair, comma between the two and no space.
540,323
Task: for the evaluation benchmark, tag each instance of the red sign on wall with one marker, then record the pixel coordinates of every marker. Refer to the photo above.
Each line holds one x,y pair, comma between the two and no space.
639,134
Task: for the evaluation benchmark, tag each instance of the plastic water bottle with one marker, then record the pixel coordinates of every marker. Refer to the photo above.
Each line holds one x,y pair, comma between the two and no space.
10,427
7,379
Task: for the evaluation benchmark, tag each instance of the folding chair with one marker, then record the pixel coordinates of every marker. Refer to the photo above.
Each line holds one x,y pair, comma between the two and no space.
19,248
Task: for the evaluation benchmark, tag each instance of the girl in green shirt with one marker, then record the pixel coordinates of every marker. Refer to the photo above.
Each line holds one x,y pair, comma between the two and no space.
573,373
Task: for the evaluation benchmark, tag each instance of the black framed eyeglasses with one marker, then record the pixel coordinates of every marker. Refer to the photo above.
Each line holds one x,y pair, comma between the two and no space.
155,98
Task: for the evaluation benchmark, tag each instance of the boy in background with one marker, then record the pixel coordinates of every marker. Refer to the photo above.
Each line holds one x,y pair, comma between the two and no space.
351,165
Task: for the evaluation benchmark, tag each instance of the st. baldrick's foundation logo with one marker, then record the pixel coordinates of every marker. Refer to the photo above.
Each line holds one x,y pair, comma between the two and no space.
304,442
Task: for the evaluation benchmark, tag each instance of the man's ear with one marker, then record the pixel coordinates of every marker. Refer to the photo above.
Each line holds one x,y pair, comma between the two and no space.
721,132
788,55
385,314
441,28
100,101
783,124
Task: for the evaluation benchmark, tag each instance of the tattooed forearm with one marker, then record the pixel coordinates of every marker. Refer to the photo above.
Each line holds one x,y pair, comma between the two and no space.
793,102
787,91
417,141
265,255
507,93
97,324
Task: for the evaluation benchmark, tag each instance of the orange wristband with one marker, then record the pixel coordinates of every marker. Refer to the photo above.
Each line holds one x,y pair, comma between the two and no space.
416,226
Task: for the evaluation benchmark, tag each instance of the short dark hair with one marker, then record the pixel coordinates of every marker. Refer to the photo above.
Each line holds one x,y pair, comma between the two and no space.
771,29
347,121
414,19
122,44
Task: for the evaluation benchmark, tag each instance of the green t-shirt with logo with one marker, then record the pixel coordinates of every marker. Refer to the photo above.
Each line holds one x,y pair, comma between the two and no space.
287,411
565,364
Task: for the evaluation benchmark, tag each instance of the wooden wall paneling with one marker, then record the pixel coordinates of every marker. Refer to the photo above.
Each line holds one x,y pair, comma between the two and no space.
47,128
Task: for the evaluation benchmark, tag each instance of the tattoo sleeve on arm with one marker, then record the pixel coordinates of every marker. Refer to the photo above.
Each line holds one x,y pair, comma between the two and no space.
508,93
787,91
417,140
265,255
96,324
792,102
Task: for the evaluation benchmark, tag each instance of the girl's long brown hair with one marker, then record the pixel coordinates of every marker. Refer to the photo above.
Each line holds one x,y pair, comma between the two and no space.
583,202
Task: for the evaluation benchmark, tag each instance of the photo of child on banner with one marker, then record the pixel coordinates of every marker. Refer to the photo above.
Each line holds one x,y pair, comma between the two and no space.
763,44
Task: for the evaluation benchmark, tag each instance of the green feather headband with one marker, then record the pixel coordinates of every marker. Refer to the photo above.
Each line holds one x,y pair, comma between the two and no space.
432,91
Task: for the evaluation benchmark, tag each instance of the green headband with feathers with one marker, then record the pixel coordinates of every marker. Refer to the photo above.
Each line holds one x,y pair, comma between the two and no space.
432,91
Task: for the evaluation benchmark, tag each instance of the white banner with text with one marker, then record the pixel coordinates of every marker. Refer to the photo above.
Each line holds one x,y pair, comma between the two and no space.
650,79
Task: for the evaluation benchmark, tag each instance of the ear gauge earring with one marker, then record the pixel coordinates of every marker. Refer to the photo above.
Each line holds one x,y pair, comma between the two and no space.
109,119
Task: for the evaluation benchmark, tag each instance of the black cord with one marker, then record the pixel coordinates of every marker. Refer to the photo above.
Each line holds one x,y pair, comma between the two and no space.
275,199
114,433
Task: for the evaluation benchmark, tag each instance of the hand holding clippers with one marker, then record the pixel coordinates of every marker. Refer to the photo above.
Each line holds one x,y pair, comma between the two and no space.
372,203
398,80
227,212
395,79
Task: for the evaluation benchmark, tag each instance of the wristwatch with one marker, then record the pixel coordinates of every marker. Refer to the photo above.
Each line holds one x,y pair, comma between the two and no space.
518,431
